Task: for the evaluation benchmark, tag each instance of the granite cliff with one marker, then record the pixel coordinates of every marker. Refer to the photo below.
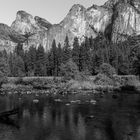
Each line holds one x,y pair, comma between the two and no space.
80,22
116,19
36,26
125,19
9,38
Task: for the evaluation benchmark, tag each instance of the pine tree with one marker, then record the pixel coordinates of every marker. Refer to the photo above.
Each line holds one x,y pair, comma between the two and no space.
69,70
11,64
66,50
53,59
40,67
76,52
4,70
30,61
85,56
4,54
82,60
59,57
18,68
19,50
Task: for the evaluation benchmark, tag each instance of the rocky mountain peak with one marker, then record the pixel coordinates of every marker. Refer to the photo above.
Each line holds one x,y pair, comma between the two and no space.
9,38
24,23
94,7
77,7
99,18
23,16
36,26
77,11
125,18
116,19
111,3
75,24
7,33
41,22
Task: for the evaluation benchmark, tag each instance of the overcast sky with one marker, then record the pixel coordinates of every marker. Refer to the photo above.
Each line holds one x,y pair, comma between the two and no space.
52,10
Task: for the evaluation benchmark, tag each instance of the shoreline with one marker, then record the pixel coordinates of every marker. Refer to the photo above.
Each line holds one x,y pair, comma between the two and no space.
55,85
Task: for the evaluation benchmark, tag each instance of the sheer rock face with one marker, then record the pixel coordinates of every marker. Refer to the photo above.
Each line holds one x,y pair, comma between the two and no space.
9,38
27,24
80,22
117,19
99,18
75,24
125,19
42,23
110,3
24,23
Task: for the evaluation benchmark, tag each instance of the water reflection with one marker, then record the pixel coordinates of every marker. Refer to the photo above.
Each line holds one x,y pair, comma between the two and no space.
109,119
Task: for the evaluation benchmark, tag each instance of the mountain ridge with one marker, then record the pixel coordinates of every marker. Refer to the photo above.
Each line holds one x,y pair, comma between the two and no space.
116,19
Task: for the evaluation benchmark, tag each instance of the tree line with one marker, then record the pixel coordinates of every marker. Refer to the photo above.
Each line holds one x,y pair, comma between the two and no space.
88,56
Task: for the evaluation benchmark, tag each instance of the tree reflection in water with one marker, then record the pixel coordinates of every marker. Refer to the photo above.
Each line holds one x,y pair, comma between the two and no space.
109,119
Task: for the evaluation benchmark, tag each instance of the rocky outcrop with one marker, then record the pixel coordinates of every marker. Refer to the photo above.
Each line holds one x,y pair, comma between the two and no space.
75,24
99,18
125,19
37,27
42,23
116,19
9,38
80,22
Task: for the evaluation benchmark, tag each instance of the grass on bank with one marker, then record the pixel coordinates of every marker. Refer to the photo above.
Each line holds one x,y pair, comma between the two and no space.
97,82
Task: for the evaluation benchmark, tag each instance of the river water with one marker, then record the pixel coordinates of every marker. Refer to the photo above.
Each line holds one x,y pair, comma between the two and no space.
76,117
